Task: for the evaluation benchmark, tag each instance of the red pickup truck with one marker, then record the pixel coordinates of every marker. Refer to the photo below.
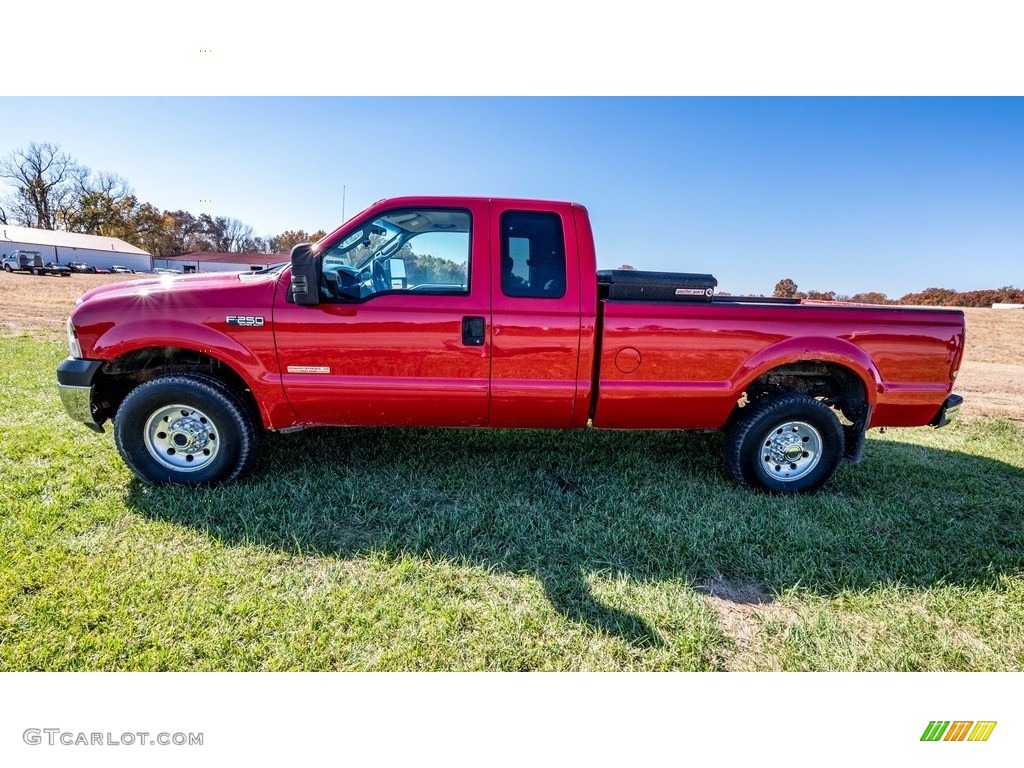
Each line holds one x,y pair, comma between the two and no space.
476,312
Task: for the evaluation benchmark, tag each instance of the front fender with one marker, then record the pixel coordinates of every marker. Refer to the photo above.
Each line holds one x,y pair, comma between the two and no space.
122,338
249,352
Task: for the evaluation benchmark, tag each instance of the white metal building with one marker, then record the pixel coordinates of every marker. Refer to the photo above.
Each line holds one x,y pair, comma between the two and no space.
210,261
62,247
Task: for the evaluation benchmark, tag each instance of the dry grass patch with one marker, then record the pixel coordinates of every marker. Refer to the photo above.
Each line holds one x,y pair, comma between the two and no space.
38,306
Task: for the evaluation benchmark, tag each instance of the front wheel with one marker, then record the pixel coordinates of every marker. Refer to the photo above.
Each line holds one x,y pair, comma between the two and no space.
185,429
789,443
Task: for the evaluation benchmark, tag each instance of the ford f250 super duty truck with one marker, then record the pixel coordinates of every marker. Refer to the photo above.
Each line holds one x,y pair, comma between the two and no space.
475,312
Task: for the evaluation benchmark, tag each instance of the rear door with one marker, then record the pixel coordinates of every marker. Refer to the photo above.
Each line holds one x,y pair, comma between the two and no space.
536,315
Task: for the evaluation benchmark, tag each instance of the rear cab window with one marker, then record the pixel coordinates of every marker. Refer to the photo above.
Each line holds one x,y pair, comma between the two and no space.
532,255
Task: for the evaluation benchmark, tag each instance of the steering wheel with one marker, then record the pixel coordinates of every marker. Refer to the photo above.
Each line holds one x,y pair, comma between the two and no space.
380,277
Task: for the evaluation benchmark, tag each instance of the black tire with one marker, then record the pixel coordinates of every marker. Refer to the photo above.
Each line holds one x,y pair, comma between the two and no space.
788,443
7,268
186,429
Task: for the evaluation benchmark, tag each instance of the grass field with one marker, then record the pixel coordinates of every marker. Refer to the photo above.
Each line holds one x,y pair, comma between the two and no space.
489,550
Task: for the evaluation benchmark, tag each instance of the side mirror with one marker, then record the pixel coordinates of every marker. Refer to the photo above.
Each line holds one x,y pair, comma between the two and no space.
305,285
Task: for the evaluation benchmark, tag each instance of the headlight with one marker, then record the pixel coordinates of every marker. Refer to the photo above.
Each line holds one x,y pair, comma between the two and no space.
74,348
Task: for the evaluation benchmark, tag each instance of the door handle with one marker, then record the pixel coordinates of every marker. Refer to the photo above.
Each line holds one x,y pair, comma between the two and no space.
473,331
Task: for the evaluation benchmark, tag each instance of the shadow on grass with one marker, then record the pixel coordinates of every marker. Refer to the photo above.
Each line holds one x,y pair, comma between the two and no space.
565,507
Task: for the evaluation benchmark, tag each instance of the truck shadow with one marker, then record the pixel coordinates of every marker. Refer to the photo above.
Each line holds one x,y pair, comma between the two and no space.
566,508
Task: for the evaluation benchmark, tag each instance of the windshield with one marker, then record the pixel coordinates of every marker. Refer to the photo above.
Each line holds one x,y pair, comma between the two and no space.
362,246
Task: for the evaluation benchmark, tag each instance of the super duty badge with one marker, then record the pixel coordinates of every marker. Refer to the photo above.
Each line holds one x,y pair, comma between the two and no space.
246,321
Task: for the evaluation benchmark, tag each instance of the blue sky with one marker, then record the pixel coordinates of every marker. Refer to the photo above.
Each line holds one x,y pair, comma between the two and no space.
843,194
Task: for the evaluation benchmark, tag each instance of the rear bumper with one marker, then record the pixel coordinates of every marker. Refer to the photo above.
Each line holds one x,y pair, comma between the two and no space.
947,411
74,382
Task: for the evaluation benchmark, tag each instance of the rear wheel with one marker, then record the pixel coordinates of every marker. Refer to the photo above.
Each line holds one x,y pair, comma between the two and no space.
185,429
788,443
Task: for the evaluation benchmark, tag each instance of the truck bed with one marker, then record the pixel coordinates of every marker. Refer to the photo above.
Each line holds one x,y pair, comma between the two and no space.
684,365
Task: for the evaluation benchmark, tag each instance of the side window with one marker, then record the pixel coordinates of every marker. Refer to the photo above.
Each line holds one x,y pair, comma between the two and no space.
415,250
532,255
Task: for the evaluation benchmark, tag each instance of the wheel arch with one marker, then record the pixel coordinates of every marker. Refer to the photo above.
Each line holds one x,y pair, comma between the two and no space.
835,371
129,369
835,358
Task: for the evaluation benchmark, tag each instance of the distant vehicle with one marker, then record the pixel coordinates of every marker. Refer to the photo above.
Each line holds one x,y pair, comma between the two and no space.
32,261
118,269
101,270
164,271
81,266
58,269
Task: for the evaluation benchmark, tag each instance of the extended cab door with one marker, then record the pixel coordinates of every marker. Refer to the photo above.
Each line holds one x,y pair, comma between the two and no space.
400,336
536,315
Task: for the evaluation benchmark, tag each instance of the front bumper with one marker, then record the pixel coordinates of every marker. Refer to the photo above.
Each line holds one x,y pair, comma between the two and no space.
74,382
947,411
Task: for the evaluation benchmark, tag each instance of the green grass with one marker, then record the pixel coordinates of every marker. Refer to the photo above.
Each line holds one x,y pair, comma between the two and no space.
417,549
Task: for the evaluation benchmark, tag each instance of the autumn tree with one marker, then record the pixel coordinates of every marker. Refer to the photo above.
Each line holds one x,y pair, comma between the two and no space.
820,295
785,289
284,242
871,297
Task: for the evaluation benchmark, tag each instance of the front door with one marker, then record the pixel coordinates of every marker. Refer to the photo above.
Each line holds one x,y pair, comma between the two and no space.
400,336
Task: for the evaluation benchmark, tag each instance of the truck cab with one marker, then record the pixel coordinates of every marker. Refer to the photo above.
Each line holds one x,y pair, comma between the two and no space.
465,312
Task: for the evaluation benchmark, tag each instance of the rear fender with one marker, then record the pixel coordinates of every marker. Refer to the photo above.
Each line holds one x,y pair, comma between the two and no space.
813,349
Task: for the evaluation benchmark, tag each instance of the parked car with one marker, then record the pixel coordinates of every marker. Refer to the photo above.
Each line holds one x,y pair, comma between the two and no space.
81,266
118,269
58,269
164,271
521,332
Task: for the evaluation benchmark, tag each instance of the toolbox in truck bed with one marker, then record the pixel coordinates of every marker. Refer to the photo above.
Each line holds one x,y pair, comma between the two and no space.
634,285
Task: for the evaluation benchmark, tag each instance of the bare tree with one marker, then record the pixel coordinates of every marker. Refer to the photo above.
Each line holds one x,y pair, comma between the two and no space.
233,236
44,180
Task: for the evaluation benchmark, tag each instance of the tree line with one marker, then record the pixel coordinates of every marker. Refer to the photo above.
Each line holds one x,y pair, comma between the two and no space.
48,189
933,297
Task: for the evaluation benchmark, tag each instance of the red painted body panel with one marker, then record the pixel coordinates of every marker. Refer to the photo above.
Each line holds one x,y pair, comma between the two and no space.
190,313
399,358
536,341
697,359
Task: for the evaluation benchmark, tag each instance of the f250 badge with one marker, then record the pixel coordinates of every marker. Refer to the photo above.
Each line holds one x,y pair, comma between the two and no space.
246,321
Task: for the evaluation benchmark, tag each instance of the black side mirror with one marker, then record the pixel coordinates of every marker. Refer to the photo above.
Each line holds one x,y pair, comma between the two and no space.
305,287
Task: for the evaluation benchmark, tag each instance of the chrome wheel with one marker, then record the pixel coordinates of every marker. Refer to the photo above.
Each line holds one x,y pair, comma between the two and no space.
791,450
181,437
